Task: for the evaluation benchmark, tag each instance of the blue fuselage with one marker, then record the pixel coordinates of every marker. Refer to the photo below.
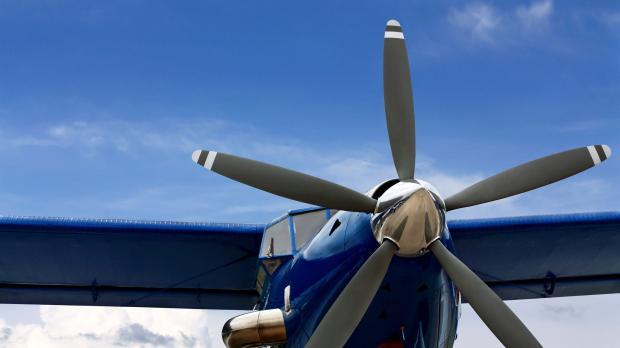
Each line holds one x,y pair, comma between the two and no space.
416,305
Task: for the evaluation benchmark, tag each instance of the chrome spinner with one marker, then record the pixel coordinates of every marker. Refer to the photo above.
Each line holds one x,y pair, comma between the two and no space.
416,205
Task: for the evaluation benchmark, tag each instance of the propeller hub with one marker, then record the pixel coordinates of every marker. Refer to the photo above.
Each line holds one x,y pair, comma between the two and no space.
421,206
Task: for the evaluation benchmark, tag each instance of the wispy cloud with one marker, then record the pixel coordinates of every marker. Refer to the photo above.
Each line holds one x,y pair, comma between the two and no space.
485,24
93,136
587,125
536,15
479,20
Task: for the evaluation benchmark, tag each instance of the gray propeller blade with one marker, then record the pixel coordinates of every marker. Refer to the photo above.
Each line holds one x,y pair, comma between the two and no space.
398,99
498,317
349,308
529,176
284,182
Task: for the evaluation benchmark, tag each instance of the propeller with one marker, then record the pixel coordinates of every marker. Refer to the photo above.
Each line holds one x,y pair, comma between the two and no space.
529,176
345,313
398,100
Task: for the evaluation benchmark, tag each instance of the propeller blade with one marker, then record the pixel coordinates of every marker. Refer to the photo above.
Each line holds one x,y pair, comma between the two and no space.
398,99
497,316
284,182
529,176
349,308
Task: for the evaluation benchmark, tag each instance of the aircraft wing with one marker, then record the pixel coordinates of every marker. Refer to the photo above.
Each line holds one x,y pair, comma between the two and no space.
205,265
128,263
543,256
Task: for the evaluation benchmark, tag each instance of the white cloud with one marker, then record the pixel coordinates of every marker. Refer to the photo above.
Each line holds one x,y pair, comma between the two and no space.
571,322
536,14
480,20
484,24
90,137
63,326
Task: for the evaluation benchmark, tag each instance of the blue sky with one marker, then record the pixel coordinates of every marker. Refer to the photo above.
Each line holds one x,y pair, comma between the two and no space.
102,103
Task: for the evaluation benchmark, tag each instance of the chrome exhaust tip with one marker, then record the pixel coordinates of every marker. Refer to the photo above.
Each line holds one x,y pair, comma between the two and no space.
255,329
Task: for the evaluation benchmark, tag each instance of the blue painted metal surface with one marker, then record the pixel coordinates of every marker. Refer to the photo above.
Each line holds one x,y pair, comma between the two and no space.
543,256
567,220
128,263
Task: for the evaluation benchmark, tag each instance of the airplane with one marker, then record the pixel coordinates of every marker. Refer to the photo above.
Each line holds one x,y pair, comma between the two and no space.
385,268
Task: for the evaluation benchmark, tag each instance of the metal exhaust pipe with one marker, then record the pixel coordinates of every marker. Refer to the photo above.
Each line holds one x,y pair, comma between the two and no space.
255,329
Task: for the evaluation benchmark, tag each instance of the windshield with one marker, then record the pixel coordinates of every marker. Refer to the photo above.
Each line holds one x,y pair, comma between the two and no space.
291,232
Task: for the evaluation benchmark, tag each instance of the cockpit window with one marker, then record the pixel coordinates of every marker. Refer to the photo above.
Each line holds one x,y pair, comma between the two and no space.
288,234
277,239
307,225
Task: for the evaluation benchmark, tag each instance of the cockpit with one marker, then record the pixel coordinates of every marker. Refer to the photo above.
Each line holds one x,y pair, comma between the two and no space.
286,236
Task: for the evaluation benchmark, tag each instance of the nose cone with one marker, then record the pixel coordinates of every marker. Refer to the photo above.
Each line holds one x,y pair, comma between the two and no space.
422,224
